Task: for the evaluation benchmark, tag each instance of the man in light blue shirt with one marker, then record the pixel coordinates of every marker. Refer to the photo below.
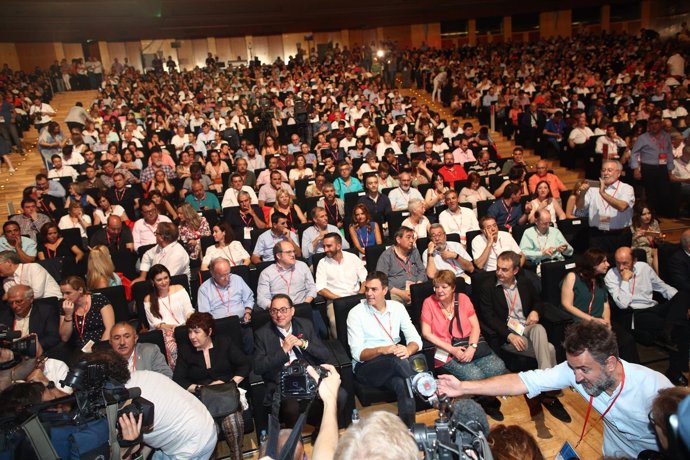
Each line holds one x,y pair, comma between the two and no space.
312,238
12,240
542,243
346,183
632,285
287,276
379,358
225,294
263,250
622,391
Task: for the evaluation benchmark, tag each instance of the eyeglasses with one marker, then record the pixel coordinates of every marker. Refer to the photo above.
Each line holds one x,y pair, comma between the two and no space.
278,311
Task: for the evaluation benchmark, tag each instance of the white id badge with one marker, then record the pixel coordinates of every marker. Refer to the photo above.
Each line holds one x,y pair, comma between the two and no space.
88,347
605,223
247,233
516,326
441,355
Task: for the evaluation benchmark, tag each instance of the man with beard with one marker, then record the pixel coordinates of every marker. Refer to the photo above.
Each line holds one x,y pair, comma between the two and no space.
622,392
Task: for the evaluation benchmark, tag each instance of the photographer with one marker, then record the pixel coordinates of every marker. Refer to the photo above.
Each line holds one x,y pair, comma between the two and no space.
182,426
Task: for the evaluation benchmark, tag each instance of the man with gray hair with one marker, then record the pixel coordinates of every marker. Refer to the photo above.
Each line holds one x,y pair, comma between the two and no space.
32,275
609,208
29,316
312,238
286,276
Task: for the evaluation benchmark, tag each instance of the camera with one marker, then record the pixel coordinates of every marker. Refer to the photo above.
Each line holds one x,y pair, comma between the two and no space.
11,340
296,383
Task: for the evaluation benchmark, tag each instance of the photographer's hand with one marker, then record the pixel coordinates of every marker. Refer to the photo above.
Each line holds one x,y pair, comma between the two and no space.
130,427
6,355
449,385
324,447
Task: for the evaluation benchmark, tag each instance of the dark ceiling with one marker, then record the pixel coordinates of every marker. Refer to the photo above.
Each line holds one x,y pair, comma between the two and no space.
121,20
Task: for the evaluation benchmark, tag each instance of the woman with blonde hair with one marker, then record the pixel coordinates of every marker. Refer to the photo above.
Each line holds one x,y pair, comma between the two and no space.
100,269
192,227
285,205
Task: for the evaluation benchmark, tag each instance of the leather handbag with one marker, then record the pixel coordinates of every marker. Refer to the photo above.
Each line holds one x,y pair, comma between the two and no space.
221,400
482,349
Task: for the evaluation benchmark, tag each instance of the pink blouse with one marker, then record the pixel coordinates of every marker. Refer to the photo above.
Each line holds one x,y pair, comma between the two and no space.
433,315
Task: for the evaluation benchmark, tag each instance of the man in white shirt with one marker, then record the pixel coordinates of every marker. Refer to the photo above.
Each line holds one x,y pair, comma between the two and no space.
632,284
237,186
401,196
581,134
609,208
442,254
594,370
457,219
167,252
41,113
491,243
180,139
254,161
32,275
453,130
60,170
144,230
611,142
339,274
268,192
386,143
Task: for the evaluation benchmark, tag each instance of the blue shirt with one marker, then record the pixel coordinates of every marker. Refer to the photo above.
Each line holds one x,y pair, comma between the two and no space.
266,241
208,202
649,150
222,302
506,216
28,246
341,188
310,235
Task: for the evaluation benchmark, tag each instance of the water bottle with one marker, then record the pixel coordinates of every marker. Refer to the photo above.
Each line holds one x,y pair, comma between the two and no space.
263,438
355,416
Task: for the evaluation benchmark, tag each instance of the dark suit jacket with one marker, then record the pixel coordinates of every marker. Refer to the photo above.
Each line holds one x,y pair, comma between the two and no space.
269,357
679,271
493,308
235,220
44,321
227,361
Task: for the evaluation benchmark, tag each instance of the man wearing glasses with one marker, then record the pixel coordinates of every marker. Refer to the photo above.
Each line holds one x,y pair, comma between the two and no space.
286,276
277,344
144,231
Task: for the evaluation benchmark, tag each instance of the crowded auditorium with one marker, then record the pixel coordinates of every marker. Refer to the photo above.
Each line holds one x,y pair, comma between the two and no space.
506,186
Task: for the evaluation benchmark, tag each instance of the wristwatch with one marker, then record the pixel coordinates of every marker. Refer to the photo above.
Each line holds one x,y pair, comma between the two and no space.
474,345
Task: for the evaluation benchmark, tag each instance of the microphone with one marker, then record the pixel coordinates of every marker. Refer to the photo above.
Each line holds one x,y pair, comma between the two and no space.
470,419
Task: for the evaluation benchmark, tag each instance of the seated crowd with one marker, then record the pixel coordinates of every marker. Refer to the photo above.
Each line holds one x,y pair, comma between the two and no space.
356,227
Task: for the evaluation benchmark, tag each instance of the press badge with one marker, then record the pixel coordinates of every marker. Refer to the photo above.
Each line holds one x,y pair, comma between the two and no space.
604,223
247,233
88,347
663,159
516,326
441,355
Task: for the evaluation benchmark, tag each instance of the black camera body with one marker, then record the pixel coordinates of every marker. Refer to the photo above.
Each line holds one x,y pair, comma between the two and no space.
11,340
296,383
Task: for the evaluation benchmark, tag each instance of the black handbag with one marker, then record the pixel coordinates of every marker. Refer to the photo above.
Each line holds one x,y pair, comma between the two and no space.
482,349
221,400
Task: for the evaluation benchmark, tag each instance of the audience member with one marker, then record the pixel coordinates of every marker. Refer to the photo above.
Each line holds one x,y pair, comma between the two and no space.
286,276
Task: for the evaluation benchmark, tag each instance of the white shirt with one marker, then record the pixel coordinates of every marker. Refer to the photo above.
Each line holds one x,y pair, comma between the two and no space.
460,222
173,309
65,171
37,277
46,113
443,264
681,169
143,233
230,196
115,210
626,425
381,149
504,242
234,253
580,135
598,208
342,279
173,256
66,222
420,230
399,198
183,428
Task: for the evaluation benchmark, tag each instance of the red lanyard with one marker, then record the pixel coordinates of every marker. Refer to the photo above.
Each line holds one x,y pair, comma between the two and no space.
51,256
508,209
287,282
511,302
79,329
118,196
591,400
407,266
222,300
152,229
660,144
335,207
632,292
134,360
247,222
457,223
606,204
363,243
168,307
229,253
388,332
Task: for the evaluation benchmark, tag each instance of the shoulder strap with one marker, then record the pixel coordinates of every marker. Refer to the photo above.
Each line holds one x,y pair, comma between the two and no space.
457,318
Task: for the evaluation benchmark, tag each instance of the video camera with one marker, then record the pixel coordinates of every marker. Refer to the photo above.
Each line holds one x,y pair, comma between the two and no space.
461,429
11,339
296,383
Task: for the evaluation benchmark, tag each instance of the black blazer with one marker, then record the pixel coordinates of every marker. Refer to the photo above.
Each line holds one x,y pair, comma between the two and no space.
235,220
493,308
269,357
44,321
679,271
227,361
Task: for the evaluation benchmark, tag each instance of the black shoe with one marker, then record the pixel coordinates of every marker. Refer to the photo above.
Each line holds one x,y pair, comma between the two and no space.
677,378
554,406
494,412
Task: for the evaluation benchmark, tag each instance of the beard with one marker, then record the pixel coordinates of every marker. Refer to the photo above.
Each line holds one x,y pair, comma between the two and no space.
600,385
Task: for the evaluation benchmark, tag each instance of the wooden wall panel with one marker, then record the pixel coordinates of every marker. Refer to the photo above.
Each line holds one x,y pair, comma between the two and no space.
238,47
362,36
32,55
8,55
133,50
290,42
223,49
73,51
402,35
275,48
260,48
185,54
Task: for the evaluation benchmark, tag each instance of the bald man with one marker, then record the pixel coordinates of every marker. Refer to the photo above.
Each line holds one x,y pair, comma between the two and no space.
543,174
632,284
